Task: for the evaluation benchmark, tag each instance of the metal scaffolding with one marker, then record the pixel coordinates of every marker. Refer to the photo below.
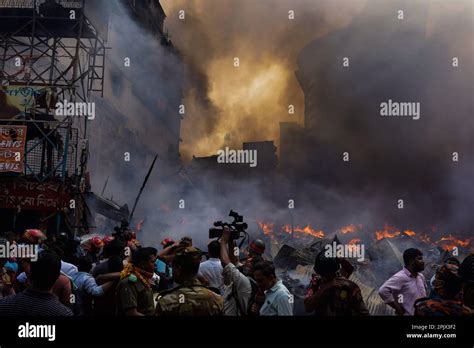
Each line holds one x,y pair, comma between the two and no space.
51,53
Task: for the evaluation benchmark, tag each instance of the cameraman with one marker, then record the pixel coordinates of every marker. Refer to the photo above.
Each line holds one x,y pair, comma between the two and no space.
238,289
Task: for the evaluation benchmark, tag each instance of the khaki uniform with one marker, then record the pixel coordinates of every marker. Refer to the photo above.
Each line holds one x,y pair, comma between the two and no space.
191,299
131,293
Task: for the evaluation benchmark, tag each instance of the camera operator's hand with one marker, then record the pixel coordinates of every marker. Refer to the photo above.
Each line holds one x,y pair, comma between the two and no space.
225,235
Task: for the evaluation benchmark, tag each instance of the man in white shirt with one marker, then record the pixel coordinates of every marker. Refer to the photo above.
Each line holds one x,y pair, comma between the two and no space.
210,271
238,290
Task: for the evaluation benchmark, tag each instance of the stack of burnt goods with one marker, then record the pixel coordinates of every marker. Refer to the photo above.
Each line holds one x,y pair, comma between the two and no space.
294,262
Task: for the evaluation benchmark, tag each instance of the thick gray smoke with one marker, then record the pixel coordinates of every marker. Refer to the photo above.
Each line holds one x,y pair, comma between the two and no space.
393,158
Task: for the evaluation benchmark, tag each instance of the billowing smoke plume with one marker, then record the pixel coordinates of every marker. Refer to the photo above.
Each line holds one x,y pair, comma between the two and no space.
226,104
229,104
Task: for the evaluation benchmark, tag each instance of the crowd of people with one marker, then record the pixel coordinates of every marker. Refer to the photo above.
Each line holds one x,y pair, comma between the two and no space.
115,275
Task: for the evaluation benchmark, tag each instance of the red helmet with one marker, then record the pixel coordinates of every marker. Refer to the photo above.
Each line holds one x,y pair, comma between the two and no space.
96,242
107,239
257,246
34,236
166,242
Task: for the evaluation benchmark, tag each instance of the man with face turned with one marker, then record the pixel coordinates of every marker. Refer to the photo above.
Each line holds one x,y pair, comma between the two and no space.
405,287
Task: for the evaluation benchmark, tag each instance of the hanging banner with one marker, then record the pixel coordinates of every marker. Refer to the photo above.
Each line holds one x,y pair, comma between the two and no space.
18,100
31,195
12,149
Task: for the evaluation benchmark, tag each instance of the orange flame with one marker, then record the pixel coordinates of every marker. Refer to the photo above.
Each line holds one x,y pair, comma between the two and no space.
306,230
410,233
453,242
266,228
388,232
352,244
349,229
354,241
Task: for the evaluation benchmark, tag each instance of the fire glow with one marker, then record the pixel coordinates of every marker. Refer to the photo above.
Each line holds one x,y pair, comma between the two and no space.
447,243
268,229
350,229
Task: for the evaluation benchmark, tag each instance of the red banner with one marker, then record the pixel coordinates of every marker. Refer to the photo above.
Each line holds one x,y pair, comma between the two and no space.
12,148
31,195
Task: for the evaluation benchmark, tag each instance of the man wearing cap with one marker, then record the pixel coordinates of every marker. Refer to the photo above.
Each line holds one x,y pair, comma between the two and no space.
190,298
255,256
331,294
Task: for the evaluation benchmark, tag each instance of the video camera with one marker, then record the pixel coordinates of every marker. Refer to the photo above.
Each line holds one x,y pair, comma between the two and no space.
123,232
236,227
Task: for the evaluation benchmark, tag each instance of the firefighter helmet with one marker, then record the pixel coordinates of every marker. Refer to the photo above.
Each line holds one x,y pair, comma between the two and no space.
257,246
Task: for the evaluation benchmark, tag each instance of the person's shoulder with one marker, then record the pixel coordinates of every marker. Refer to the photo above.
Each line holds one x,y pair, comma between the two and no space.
6,301
169,293
63,310
347,283
127,282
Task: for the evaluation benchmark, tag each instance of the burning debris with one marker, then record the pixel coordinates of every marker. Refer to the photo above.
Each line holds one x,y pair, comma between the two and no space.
294,252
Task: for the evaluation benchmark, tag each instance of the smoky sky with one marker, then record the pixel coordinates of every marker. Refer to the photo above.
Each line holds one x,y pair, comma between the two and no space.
407,61
397,157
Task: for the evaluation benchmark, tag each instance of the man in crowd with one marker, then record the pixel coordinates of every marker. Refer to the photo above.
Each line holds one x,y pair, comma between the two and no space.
255,255
210,271
134,292
446,298
332,294
38,299
86,288
163,268
278,300
237,287
405,287
190,298
105,305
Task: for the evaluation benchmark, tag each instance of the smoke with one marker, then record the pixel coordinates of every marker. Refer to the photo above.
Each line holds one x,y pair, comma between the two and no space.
138,116
229,105
404,60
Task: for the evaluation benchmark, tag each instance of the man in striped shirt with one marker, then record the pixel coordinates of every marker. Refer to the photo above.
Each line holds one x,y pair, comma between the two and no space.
38,299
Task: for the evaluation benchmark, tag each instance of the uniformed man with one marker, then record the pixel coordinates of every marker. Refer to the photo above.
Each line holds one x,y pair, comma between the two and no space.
331,294
190,298
134,291
447,297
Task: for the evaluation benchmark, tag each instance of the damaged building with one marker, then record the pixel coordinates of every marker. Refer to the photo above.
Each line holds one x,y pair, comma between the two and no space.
139,114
